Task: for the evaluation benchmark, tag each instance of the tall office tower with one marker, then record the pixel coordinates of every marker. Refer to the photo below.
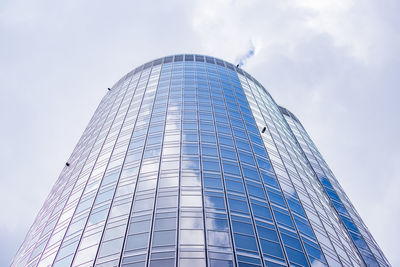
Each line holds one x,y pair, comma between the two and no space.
362,238
188,161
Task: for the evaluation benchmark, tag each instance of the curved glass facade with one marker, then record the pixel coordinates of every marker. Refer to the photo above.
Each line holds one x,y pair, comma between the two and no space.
363,240
188,161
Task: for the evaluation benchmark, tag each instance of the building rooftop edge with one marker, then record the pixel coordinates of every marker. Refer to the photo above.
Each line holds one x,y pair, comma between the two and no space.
188,58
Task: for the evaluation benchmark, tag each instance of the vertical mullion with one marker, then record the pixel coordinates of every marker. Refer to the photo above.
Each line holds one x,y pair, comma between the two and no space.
241,170
229,219
122,164
108,161
140,165
148,258
283,194
92,168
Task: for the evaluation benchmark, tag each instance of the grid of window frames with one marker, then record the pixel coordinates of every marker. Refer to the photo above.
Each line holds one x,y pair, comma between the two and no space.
25,257
364,241
296,177
189,161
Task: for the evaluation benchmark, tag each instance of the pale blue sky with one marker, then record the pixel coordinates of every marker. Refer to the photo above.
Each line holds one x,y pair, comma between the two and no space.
334,63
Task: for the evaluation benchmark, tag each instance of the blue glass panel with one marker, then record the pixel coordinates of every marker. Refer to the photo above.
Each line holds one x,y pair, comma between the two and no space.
238,205
208,138
210,182
223,129
283,218
190,125
291,241
296,256
209,150
242,263
162,263
261,211
209,165
217,224
231,168
255,190
190,163
239,133
276,197
255,139
295,206
225,140
215,202
264,164
267,233
251,173
245,242
243,144
228,154
190,137
137,241
271,248
205,116
246,158
206,126
252,128
164,238
314,252
154,140
259,151
240,227
304,228
220,263
270,179
237,123
234,186
190,149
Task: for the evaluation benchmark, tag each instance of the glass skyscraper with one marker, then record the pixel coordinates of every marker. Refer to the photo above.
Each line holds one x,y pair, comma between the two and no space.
188,161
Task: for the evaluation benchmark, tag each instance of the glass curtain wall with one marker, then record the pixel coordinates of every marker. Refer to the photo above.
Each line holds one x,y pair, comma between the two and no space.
188,161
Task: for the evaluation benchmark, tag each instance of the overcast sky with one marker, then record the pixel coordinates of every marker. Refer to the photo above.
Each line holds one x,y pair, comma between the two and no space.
333,63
